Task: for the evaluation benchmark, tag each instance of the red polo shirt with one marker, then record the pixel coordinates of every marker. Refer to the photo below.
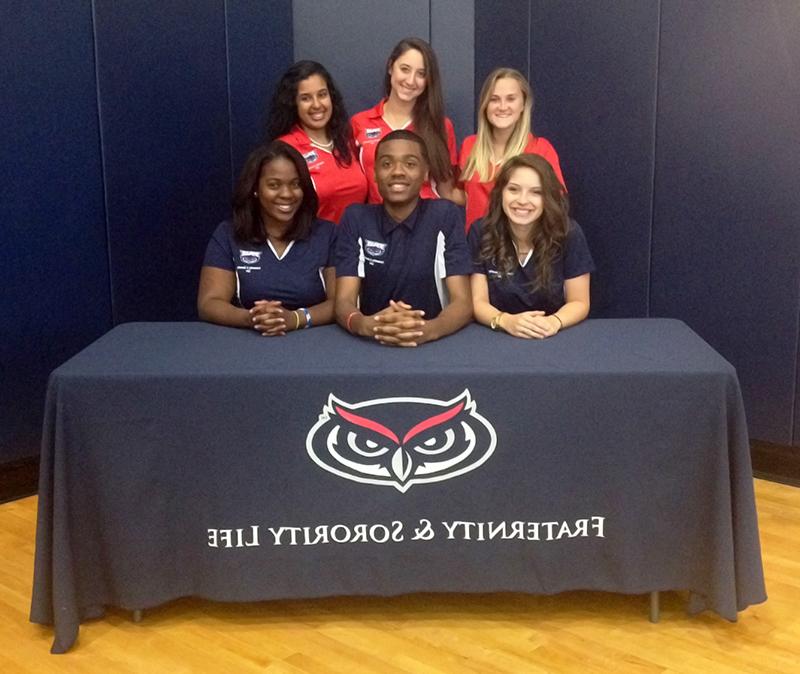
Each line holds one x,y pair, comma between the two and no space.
478,192
337,186
369,127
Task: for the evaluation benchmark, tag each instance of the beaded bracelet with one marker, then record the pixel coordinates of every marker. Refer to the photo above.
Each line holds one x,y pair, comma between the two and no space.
350,318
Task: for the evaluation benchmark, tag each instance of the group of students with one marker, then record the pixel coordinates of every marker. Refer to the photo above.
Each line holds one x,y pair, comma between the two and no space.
361,221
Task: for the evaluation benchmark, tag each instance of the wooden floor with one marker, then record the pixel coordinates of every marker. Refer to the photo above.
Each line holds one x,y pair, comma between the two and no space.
572,632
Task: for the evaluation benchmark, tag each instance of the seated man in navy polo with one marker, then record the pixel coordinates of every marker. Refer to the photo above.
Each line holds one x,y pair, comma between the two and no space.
402,266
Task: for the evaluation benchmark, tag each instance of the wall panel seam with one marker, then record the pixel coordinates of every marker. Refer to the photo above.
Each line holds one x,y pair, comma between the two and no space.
795,430
228,89
649,293
103,177
529,74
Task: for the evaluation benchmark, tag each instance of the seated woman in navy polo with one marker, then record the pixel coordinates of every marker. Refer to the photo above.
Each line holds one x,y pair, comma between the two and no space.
270,268
531,263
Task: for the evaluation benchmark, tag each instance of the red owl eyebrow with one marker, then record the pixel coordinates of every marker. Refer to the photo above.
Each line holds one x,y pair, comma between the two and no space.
366,423
433,421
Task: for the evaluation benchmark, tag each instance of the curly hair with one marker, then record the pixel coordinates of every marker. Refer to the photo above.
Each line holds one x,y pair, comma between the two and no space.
548,233
282,115
247,223
428,115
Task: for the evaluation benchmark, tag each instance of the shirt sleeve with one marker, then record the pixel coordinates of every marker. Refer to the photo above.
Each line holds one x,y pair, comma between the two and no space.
326,231
349,254
452,148
457,258
474,243
218,251
546,150
577,258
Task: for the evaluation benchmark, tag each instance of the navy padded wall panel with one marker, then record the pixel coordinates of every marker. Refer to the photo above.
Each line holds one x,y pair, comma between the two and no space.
594,76
52,237
166,145
796,429
502,38
259,51
726,240
353,40
453,38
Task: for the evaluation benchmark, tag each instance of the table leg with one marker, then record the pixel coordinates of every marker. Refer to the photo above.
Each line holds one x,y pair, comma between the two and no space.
654,607
137,615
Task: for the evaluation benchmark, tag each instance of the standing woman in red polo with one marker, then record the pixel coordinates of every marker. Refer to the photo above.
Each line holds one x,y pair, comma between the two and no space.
504,131
308,113
413,101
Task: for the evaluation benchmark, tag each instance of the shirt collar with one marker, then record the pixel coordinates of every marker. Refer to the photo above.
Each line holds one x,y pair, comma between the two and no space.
377,111
388,224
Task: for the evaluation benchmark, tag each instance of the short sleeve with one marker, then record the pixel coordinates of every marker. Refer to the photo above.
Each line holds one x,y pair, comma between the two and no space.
325,231
452,148
218,252
458,261
474,243
577,258
347,254
545,149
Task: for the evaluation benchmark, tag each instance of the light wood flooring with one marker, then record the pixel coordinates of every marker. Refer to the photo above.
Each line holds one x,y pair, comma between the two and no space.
571,632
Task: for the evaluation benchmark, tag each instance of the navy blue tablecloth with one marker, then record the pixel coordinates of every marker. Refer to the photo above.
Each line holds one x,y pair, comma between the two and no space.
190,459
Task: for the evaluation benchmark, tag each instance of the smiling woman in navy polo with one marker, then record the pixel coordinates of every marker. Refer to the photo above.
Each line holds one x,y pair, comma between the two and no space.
270,268
406,259
531,263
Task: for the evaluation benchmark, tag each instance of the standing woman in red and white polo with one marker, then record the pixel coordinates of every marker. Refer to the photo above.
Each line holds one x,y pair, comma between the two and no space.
308,113
413,101
504,131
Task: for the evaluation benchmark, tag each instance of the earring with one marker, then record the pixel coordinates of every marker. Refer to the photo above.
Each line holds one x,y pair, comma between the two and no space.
255,194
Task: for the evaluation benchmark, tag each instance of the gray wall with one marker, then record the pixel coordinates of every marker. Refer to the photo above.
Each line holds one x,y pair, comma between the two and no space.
678,129
353,38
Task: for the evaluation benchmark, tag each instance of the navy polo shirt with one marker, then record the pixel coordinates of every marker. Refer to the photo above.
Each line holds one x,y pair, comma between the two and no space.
294,279
405,261
513,293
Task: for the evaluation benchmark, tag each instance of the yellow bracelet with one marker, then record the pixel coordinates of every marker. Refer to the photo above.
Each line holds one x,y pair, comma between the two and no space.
296,320
495,322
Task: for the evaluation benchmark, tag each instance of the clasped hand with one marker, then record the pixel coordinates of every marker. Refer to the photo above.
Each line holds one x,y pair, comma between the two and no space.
399,324
271,319
530,325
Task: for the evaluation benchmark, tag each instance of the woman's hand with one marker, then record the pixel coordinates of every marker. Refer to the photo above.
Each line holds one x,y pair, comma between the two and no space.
529,325
271,319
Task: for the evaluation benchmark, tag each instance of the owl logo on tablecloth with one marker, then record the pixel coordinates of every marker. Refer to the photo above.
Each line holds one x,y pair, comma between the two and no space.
400,442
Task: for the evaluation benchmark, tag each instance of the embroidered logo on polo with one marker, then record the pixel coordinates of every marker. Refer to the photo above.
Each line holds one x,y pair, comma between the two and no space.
374,248
250,256
400,442
311,157
372,133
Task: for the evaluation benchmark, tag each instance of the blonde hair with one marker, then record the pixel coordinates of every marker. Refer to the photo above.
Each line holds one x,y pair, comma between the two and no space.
480,158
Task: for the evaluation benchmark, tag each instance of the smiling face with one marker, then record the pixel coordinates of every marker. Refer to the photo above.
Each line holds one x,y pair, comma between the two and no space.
506,103
523,202
408,76
314,107
279,193
400,170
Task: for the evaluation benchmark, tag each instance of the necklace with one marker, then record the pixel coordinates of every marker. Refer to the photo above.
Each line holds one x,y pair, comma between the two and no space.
323,146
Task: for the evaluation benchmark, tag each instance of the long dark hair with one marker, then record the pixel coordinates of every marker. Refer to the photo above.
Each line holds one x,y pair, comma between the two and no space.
247,224
428,115
282,114
549,231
